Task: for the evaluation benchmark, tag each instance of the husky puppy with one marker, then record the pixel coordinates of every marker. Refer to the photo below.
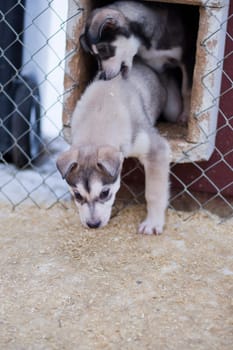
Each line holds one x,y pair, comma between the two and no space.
115,33
114,120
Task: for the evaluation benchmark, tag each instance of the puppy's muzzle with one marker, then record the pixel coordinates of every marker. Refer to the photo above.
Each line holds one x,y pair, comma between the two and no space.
102,76
124,71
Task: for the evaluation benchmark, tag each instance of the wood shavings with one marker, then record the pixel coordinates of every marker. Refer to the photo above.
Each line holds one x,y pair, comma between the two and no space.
112,288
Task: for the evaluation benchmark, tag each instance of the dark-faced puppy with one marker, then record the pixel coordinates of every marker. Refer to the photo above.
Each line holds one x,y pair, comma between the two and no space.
115,33
106,37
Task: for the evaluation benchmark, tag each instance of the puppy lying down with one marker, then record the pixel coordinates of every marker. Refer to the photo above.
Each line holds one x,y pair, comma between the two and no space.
114,120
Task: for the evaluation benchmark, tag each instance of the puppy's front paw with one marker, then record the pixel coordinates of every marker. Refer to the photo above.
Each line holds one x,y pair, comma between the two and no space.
151,227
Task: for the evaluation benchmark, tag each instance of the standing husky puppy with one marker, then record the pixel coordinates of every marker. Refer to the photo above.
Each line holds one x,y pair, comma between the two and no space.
117,32
113,120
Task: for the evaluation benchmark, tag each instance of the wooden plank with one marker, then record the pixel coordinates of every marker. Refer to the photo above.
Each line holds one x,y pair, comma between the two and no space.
77,67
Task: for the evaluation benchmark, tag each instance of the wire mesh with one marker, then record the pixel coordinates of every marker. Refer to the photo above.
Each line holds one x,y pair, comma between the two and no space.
31,120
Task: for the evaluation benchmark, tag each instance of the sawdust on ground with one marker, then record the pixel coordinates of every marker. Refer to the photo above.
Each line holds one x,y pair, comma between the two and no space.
65,287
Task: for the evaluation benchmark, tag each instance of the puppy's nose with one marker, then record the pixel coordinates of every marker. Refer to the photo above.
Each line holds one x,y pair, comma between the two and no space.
102,76
95,224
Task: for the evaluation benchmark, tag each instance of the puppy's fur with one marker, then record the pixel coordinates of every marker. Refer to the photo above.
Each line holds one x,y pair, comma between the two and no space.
113,120
117,32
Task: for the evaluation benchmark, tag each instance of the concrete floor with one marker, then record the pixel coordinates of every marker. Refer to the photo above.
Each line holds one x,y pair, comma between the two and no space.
65,287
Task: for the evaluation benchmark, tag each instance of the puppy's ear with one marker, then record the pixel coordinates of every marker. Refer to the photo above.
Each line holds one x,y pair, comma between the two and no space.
109,160
84,43
67,161
110,23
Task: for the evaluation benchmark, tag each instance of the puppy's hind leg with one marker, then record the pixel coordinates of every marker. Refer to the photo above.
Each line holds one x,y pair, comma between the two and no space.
186,95
156,165
173,106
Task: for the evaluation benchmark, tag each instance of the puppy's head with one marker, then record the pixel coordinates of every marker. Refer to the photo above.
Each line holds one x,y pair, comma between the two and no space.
94,178
108,37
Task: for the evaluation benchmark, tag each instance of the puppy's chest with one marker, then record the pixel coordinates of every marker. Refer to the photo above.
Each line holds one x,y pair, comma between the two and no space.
158,59
140,145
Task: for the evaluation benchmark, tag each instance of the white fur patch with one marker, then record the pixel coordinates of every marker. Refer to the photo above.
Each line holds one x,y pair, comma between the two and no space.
94,49
95,188
141,144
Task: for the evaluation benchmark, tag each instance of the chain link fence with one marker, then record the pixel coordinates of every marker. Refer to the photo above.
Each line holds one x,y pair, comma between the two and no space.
33,64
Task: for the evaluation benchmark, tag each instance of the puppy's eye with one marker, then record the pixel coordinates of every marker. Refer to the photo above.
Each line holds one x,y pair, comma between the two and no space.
105,51
104,194
102,50
78,197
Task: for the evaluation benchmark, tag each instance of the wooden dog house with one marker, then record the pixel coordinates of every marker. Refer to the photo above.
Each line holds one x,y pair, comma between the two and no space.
195,142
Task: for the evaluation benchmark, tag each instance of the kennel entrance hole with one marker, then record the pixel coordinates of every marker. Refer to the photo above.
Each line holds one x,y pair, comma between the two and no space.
195,142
